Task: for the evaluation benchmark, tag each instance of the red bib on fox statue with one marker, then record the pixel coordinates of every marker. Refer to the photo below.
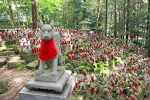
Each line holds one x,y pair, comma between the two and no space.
47,49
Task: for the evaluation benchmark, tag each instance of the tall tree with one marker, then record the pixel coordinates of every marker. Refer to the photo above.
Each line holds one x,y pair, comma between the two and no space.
148,28
115,20
34,15
127,22
106,7
11,13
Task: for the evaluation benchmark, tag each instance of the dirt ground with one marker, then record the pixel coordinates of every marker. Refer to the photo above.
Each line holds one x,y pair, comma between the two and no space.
16,80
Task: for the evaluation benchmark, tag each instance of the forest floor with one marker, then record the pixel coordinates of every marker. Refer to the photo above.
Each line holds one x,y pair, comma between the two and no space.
17,79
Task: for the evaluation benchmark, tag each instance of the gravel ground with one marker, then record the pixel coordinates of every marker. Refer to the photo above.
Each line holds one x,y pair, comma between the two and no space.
16,80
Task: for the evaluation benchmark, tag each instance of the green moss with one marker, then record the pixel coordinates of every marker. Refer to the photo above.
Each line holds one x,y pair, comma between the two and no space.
19,68
3,48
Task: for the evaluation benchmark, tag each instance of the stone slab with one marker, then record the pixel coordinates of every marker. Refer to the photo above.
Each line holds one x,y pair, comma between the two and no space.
32,65
3,61
55,86
27,94
6,53
14,64
47,77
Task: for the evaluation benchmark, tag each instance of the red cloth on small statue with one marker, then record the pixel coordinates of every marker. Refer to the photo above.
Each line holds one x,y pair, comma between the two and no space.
47,50
92,89
121,92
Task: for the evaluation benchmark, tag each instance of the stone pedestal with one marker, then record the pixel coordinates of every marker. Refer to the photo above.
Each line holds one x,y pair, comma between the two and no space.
31,94
47,77
55,86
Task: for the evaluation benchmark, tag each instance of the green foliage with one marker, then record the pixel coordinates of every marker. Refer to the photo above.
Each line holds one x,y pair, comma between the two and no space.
69,66
137,42
89,69
82,67
11,46
3,48
124,56
19,68
66,58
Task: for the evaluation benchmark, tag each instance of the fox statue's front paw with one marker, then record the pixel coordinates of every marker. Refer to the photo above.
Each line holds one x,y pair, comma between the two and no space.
39,72
54,73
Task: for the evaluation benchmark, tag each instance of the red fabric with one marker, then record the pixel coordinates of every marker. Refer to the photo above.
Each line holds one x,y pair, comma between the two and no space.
77,85
47,49
92,79
92,89
116,80
132,98
112,84
84,73
121,92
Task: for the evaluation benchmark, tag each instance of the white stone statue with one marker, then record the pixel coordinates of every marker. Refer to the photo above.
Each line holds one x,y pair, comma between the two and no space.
49,51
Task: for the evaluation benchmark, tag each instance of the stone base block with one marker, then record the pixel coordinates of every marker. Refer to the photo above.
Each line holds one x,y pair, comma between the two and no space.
47,77
14,64
55,86
27,94
3,61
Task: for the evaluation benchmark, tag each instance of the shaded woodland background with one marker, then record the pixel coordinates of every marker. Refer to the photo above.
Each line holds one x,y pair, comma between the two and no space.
125,19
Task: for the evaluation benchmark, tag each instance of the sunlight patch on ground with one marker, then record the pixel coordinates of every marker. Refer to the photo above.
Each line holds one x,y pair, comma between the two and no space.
17,80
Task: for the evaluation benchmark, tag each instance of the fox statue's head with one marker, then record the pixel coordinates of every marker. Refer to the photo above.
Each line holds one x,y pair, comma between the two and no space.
46,30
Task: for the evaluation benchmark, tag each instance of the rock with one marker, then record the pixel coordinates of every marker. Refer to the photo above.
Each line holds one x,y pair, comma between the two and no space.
3,61
5,53
3,85
28,57
32,65
14,62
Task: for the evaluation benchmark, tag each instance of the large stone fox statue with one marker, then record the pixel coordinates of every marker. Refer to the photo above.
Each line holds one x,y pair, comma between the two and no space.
49,52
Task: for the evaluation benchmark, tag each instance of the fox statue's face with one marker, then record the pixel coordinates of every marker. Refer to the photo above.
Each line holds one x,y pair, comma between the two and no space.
46,30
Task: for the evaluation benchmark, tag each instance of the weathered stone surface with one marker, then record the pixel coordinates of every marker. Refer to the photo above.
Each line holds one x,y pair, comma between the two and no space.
58,86
25,54
32,65
3,85
5,53
47,77
3,61
31,58
27,94
28,57
14,62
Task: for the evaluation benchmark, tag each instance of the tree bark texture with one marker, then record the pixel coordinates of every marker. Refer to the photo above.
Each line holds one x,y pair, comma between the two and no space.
148,28
34,15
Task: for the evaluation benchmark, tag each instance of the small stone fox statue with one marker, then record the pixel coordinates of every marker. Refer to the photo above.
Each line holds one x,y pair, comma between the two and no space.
49,51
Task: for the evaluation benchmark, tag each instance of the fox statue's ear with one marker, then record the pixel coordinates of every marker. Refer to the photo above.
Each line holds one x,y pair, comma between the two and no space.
52,24
41,24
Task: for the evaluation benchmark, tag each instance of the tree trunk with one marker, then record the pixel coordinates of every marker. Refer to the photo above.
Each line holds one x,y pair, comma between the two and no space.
115,21
11,13
127,23
106,17
98,13
148,28
34,15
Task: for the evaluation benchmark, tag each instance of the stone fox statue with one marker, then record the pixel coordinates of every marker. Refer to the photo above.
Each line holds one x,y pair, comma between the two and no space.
49,52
